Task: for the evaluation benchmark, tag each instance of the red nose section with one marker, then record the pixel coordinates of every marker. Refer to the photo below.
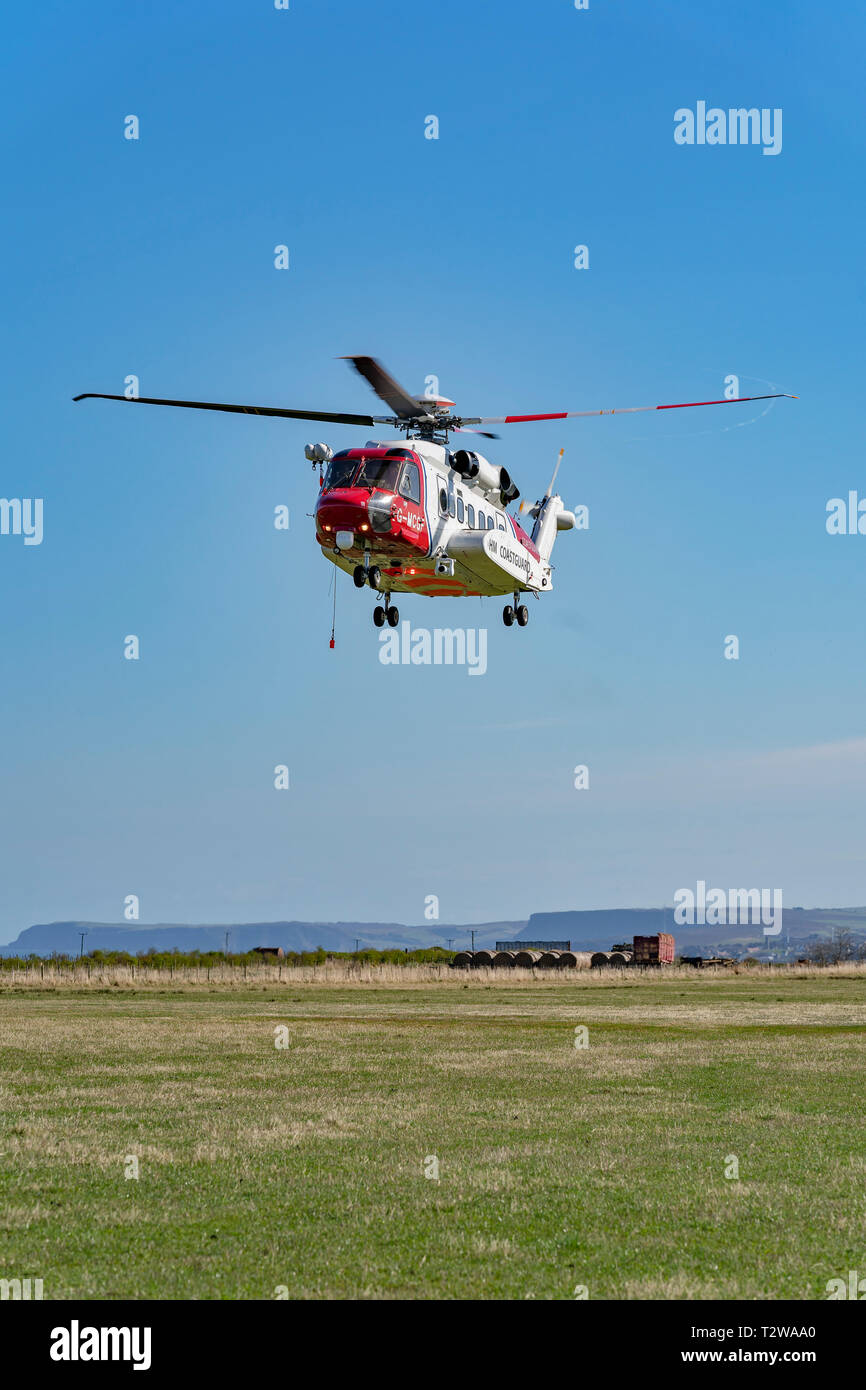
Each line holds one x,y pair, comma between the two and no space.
385,523
343,509
368,515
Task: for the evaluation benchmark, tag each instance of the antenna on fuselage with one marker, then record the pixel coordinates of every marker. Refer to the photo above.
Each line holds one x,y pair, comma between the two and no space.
535,508
549,492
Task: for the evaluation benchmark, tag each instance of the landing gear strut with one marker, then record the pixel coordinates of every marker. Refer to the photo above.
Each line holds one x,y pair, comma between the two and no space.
518,611
366,574
387,614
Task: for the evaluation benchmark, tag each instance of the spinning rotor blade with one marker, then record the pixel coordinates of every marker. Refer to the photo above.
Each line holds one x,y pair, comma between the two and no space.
386,388
621,410
485,434
327,416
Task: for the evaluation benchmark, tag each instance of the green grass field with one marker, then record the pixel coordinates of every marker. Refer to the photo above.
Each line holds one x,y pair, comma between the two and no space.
303,1167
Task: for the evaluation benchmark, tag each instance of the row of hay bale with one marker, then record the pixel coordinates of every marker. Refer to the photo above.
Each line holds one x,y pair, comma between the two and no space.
610,960
506,960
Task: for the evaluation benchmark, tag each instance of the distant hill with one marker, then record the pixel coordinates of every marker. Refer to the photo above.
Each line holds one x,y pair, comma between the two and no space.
65,937
595,930
598,930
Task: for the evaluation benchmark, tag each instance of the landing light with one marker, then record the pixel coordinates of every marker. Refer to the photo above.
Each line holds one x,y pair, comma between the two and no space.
318,453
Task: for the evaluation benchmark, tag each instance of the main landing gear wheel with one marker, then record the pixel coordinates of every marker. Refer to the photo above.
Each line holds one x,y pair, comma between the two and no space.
359,576
393,615
522,615
379,616
374,576
508,615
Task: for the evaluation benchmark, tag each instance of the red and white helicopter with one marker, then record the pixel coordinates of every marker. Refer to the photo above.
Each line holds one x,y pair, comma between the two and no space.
408,515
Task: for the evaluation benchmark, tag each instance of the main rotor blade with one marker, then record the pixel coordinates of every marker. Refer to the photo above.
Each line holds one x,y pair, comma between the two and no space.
621,410
485,434
386,388
329,417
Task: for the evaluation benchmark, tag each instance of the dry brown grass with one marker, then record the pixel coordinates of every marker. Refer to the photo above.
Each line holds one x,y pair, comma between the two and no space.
341,974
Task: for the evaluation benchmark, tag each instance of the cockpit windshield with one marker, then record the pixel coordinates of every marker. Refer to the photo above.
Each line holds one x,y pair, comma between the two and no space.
340,472
372,472
381,472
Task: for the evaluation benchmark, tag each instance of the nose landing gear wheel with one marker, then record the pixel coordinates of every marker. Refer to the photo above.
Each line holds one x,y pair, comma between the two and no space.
374,575
508,615
522,615
393,617
379,616
359,576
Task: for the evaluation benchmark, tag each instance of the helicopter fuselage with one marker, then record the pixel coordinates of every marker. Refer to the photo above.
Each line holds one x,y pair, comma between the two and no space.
404,508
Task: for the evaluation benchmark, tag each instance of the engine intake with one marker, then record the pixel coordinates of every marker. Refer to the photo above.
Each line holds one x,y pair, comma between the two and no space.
489,477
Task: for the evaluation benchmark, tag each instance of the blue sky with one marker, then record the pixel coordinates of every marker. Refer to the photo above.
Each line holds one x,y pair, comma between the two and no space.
451,257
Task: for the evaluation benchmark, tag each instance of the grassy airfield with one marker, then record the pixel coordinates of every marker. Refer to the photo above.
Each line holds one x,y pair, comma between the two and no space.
299,1170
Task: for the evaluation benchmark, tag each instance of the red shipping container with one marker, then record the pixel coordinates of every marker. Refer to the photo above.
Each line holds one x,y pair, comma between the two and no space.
654,950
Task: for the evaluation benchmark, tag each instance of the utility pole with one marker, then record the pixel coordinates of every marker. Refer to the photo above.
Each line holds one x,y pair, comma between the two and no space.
450,941
472,934
227,943
81,948
357,944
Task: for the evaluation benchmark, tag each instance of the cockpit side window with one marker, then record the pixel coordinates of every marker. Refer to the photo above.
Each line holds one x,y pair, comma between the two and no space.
410,482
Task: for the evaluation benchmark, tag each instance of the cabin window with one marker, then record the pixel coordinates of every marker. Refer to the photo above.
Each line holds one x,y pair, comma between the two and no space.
500,523
481,521
490,523
452,505
459,508
470,516
410,482
443,501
